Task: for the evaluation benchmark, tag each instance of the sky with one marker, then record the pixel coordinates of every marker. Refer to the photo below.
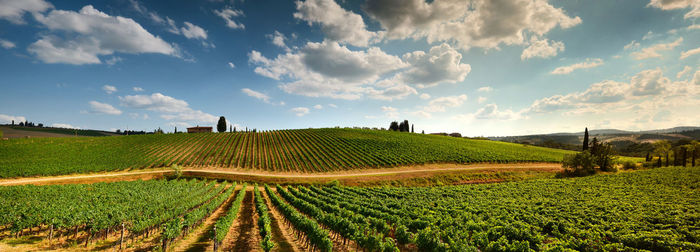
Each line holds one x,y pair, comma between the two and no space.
478,67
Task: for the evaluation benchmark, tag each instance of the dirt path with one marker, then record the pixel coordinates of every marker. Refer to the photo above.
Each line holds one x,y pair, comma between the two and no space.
245,236
281,233
223,172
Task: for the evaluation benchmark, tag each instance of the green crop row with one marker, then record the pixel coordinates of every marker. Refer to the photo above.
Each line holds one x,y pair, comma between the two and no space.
306,150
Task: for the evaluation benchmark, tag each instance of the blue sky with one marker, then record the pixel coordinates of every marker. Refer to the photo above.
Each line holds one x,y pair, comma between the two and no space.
479,67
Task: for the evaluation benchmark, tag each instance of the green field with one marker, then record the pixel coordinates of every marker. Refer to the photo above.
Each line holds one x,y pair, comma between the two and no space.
647,210
306,150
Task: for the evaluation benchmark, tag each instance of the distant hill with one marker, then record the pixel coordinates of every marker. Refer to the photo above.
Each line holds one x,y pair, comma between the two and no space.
631,143
15,131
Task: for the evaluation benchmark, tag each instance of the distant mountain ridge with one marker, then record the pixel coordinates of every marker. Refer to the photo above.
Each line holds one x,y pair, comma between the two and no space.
617,131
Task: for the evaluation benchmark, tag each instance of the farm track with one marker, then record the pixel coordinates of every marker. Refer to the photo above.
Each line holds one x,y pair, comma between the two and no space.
245,236
427,169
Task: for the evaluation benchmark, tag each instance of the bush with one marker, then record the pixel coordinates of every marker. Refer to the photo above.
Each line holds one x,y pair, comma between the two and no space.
627,165
579,164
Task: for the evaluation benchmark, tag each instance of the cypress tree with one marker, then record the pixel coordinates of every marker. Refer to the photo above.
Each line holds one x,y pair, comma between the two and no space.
412,129
221,126
585,139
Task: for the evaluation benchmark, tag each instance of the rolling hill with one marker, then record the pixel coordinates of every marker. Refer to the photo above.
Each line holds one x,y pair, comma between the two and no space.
304,150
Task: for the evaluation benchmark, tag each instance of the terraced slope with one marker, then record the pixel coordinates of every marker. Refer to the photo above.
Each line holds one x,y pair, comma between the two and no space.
305,150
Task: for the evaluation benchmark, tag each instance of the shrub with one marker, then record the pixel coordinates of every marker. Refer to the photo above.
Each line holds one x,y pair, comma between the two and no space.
579,164
627,165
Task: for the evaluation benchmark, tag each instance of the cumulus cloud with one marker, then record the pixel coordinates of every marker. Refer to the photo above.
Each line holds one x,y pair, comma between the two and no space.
109,89
137,89
228,14
328,69
103,108
7,44
485,89
685,71
390,112
542,49
424,96
7,119
491,112
481,99
336,23
300,111
171,108
14,10
90,33
653,51
441,63
485,24
64,125
632,45
642,86
278,39
231,65
256,94
589,63
332,105
192,31
693,5
441,104
689,53
318,106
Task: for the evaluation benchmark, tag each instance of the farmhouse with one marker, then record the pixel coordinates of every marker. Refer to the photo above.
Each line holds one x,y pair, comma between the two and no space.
198,129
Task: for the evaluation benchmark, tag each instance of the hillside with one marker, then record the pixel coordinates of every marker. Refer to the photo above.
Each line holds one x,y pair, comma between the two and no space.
23,132
305,151
626,143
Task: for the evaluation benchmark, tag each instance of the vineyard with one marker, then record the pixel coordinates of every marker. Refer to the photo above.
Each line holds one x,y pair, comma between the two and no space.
649,210
306,151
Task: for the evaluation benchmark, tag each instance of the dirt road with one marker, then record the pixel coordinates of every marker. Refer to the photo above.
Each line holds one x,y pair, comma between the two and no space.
224,173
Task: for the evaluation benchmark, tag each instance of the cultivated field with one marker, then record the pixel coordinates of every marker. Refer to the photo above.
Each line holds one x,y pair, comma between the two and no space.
304,151
656,210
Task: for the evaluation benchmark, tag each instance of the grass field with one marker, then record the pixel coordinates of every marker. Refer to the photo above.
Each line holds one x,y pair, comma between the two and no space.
306,151
647,210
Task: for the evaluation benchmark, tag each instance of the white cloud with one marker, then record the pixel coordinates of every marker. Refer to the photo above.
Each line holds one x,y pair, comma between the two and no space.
644,86
685,70
64,125
589,63
481,99
653,51
485,24
278,39
485,89
694,6
542,49
137,89
424,96
318,106
14,10
390,112
7,119
171,108
91,33
689,53
441,64
300,111
693,27
632,45
113,60
492,112
332,105
231,65
7,44
228,14
328,69
441,104
109,89
103,108
336,23
192,31
172,27
256,94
